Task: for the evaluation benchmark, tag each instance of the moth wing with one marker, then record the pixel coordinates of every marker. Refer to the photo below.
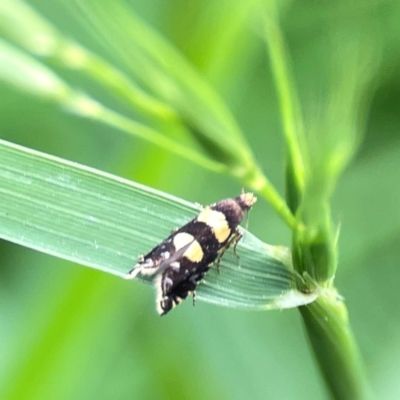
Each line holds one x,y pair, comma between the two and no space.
174,259
174,286
149,267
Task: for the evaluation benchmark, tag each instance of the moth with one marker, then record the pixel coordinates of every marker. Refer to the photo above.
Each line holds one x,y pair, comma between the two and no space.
179,263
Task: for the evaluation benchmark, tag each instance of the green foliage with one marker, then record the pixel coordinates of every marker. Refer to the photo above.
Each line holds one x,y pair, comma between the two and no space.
104,63
102,221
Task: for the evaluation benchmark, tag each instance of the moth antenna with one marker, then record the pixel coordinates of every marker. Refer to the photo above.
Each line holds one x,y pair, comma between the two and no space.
247,212
247,220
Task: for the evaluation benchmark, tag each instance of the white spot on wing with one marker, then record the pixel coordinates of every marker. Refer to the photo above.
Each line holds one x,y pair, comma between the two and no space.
175,265
144,268
159,294
134,272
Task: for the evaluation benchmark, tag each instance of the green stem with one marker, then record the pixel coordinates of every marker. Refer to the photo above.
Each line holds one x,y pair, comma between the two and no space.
260,183
77,58
335,348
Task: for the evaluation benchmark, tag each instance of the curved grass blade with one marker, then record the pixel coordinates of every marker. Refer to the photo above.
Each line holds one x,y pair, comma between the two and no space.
19,69
105,222
20,23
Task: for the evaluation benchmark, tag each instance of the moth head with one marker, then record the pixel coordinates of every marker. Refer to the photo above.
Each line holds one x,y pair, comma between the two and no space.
246,201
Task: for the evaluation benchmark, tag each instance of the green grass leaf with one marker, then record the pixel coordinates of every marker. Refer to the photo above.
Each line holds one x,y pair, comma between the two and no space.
21,24
105,222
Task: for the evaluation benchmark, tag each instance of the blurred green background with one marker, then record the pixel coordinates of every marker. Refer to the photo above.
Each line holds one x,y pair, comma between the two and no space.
68,332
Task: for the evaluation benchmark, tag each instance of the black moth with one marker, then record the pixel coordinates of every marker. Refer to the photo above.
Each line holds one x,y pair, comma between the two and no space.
179,263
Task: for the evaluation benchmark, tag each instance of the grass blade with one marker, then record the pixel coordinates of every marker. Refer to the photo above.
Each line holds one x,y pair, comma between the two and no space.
105,222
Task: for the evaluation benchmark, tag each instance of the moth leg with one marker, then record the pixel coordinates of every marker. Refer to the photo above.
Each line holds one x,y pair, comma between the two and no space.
219,260
234,239
194,297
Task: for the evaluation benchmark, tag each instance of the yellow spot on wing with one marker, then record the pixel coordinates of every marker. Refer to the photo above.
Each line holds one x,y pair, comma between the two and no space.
182,239
194,252
217,221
